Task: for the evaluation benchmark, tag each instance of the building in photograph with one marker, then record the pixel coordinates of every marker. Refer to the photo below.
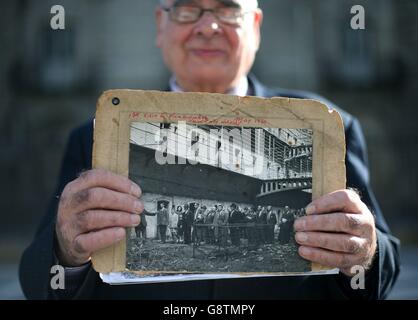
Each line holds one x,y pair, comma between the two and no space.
242,165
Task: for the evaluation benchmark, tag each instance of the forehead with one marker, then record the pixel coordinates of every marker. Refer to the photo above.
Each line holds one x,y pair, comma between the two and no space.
235,3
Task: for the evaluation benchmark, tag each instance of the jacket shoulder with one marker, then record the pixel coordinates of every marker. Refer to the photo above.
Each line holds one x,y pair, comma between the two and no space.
263,91
84,131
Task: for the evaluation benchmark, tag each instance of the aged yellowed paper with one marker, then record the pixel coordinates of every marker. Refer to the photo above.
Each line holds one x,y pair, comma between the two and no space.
223,163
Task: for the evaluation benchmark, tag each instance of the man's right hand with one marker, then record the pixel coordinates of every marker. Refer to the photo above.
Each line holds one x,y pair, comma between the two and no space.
93,212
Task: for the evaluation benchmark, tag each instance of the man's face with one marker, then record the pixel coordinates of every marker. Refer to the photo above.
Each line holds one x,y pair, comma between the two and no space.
209,55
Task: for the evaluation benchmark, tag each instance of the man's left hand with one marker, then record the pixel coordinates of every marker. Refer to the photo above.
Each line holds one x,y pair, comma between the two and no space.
338,231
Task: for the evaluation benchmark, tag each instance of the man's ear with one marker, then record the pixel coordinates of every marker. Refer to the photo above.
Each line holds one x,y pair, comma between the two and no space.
258,21
158,22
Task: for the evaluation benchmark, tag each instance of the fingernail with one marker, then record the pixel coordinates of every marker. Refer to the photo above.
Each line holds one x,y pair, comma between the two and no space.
135,219
138,207
299,225
310,209
135,190
120,234
301,236
304,251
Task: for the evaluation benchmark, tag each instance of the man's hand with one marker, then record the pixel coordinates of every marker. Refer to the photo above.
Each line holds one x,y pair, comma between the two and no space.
93,211
338,231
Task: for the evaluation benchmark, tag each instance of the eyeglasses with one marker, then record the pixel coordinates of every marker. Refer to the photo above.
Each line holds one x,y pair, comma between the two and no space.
189,14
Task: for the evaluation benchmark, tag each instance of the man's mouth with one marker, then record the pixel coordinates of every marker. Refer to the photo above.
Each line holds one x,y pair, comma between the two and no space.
207,53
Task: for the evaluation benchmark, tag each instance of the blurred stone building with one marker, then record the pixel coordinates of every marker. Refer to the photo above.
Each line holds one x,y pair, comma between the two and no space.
50,81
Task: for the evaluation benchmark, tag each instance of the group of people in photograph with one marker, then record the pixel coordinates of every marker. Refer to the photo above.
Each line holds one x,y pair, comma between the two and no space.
220,224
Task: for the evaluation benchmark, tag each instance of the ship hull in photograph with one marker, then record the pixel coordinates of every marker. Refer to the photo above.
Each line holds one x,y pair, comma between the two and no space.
202,181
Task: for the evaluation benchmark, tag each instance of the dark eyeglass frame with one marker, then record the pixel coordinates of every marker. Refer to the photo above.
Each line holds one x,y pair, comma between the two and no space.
202,11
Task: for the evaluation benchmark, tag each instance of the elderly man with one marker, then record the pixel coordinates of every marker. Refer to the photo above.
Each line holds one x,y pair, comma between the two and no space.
210,46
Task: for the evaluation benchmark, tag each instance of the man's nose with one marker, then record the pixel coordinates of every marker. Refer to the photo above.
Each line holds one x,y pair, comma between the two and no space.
208,25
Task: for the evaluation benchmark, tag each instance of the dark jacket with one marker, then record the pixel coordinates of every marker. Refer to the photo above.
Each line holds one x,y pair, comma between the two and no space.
162,217
262,217
271,218
144,214
188,218
236,216
38,258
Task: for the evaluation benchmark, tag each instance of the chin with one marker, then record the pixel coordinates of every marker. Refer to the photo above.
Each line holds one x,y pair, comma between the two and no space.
212,74
206,77
210,81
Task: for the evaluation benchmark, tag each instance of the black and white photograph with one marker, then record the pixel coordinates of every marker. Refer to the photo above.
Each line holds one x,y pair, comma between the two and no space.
218,199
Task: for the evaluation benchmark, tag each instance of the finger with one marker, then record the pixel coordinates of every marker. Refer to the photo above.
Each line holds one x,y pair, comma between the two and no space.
101,198
331,241
328,258
92,220
354,224
87,243
342,200
105,179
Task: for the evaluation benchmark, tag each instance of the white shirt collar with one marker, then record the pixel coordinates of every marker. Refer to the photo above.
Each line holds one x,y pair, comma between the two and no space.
240,90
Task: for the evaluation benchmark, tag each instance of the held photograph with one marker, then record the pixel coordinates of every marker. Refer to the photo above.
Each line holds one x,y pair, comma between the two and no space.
218,199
